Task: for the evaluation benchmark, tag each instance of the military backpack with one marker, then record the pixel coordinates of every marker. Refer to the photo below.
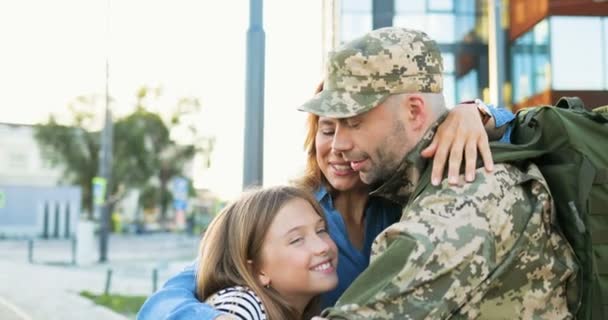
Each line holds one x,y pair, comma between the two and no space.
570,146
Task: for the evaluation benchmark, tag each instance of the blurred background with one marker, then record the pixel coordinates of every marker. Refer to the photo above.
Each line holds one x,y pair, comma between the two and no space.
125,126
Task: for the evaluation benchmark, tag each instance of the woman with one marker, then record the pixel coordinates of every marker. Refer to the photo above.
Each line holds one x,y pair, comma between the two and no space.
354,219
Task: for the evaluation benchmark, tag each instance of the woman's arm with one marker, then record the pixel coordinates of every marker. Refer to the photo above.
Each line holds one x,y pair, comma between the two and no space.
463,134
176,300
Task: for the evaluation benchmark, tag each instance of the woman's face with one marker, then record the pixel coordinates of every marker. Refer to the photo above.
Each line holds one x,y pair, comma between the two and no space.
299,258
336,170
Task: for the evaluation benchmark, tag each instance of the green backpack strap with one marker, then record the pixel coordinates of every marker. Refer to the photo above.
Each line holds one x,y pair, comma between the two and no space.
503,152
574,103
599,114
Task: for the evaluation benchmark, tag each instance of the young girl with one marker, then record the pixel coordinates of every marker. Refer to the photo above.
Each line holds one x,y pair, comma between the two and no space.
267,256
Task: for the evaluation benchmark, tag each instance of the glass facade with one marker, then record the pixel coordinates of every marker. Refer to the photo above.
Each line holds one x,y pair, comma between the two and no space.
467,87
605,47
578,52
560,53
356,18
530,71
453,24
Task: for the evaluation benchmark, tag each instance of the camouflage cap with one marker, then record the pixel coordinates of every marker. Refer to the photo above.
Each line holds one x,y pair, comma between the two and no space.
364,72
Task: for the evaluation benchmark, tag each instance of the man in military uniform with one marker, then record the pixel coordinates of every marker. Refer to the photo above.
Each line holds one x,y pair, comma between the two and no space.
488,249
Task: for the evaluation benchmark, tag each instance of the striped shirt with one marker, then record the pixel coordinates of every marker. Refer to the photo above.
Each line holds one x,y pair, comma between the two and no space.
240,302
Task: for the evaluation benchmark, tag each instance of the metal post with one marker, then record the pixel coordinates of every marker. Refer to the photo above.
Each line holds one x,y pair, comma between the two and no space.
45,220
105,161
74,242
106,290
30,251
67,231
154,280
56,221
496,48
253,160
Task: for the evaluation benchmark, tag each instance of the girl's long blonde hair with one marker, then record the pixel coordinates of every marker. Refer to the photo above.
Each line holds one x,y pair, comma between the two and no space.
236,236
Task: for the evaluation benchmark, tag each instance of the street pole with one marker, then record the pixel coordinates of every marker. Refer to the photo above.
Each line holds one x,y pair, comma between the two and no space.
105,171
496,48
105,158
253,158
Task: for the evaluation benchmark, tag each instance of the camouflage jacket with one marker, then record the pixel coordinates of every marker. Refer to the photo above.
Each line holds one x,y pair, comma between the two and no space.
487,249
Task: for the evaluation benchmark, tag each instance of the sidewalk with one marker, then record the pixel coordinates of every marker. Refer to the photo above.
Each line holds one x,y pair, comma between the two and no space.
32,292
49,289
9,311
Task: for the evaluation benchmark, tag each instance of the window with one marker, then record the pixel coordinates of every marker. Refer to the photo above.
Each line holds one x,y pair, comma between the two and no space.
465,6
410,6
464,24
355,25
356,19
530,62
605,54
448,79
448,90
522,69
441,5
467,86
361,6
439,26
448,62
17,160
414,21
577,53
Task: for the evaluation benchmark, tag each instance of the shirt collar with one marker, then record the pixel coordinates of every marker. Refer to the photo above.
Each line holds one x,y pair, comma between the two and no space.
322,196
399,187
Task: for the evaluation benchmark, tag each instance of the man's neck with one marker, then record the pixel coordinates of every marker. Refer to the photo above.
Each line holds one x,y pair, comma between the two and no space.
400,186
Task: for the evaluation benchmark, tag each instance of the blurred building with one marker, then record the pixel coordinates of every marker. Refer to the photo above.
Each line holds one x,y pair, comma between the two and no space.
552,48
31,202
21,162
558,48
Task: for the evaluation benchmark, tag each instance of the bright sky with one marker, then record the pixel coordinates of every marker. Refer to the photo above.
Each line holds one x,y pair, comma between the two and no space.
53,51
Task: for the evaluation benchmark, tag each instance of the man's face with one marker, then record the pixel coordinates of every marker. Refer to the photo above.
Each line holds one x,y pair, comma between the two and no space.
374,143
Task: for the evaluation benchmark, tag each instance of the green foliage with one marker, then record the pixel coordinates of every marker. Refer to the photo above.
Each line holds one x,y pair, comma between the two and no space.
73,149
144,155
126,305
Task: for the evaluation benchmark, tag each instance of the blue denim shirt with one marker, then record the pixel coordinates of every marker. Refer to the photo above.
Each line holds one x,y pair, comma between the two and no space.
502,117
177,300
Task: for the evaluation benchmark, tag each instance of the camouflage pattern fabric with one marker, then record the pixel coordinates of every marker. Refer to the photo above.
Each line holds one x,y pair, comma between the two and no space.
365,71
482,250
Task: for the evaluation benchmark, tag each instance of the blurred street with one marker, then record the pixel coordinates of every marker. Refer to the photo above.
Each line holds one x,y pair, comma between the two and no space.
49,288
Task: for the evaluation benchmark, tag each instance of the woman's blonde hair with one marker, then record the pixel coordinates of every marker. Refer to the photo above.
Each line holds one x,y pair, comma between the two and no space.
312,178
232,247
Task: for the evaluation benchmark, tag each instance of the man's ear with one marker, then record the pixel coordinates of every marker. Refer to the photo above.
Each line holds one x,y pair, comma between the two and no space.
417,112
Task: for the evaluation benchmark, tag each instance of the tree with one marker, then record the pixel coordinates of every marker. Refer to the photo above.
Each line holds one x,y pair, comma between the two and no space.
144,155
